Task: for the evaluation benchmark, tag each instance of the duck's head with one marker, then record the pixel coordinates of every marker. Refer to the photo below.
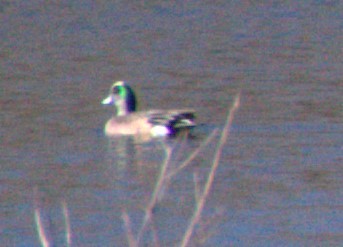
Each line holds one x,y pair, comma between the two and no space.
122,96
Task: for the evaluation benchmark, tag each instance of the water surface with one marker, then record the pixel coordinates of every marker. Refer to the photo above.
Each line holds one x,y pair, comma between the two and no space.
280,179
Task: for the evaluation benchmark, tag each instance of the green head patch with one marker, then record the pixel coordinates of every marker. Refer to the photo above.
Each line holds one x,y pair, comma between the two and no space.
125,92
119,90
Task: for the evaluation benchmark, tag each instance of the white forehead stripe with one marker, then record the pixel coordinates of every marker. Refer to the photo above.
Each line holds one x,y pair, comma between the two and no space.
119,83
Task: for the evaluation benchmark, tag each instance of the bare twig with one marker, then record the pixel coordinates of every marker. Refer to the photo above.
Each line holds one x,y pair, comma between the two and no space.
196,187
66,222
41,234
40,228
164,177
154,235
200,205
157,190
130,238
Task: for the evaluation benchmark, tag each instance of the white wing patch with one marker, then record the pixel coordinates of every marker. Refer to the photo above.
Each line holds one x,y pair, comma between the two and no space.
160,130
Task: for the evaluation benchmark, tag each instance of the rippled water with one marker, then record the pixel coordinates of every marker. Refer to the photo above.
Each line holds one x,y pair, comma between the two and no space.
279,181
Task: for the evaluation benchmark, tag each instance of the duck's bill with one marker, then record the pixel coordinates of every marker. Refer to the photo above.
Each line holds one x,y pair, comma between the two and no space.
107,101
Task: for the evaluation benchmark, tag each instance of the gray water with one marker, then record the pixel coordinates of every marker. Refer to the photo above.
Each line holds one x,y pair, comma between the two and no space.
279,182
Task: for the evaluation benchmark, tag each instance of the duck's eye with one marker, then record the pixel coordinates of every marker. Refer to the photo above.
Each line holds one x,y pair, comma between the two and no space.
116,90
119,91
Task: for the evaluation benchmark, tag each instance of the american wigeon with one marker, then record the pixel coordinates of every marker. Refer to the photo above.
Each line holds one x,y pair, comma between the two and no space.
128,121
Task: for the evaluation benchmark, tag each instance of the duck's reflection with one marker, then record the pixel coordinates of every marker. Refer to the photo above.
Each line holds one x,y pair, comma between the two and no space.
132,164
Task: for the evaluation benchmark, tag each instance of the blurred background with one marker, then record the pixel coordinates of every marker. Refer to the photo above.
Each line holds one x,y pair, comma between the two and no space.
279,182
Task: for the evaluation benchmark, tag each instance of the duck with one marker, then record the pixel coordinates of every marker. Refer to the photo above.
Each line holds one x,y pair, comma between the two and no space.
155,123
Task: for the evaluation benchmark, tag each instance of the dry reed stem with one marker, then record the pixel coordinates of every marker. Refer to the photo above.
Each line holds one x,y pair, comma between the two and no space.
129,235
163,176
154,235
41,234
200,204
158,188
66,222
40,229
43,238
196,187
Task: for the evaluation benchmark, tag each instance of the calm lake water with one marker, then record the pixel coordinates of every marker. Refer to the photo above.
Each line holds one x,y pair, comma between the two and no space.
279,181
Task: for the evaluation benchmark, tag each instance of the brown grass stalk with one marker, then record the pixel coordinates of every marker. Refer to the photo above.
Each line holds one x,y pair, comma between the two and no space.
156,193
41,233
164,177
43,238
129,235
66,222
202,199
